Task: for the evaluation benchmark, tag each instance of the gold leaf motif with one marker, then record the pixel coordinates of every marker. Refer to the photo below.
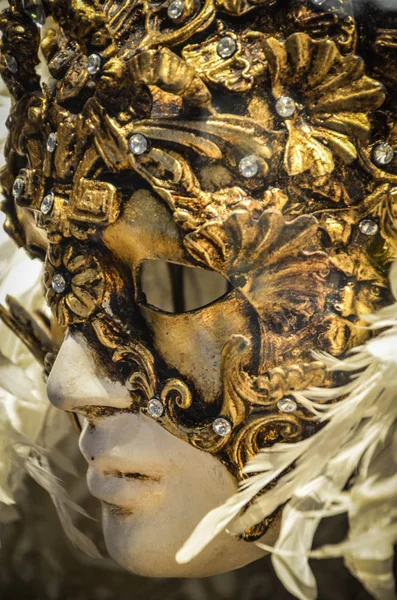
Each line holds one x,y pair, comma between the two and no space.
166,70
382,205
333,97
262,256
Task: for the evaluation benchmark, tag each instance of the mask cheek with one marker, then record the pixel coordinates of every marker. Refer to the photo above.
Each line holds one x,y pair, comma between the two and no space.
192,343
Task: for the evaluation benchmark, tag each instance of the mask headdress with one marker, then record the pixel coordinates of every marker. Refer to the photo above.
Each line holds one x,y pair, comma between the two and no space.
268,146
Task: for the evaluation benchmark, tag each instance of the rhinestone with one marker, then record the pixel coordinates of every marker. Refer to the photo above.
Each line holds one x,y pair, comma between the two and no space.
12,64
35,10
226,47
94,64
176,9
249,166
222,426
138,144
51,142
155,408
287,405
108,309
58,283
285,107
47,203
368,227
18,187
382,153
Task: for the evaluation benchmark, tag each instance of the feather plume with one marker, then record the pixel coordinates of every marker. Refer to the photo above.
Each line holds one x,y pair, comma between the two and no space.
24,408
347,467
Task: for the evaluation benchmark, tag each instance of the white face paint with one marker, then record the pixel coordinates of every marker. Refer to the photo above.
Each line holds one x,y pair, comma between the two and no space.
154,488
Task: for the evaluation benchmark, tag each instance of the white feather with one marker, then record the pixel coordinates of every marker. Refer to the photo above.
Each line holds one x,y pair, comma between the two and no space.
347,467
26,417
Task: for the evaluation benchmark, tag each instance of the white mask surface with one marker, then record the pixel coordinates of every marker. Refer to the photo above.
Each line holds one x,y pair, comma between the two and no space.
154,488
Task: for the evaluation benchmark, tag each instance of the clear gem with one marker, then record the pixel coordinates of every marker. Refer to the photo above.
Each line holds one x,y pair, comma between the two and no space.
222,426
155,408
12,64
176,9
249,166
285,106
108,309
226,47
138,144
382,153
94,64
368,227
58,283
18,187
287,405
35,10
51,142
47,203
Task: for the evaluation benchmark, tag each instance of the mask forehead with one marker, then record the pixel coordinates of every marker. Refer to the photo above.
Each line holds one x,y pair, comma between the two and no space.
145,231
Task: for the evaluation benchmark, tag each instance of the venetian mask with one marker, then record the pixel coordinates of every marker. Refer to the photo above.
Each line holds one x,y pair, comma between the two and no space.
212,185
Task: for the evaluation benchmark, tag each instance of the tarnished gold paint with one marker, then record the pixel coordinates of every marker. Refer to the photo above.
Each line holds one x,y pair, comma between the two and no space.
302,275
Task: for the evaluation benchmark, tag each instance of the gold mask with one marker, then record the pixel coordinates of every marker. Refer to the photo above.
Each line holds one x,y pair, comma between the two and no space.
246,138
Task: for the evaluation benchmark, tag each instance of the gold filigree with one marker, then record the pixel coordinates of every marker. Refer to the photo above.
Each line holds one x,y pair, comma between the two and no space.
18,31
94,202
166,70
261,431
249,402
239,72
281,382
179,391
142,379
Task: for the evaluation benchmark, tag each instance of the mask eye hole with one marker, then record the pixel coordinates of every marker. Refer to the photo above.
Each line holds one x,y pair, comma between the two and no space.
178,289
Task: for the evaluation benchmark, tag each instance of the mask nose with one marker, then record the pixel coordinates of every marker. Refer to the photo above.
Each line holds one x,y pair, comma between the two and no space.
76,380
